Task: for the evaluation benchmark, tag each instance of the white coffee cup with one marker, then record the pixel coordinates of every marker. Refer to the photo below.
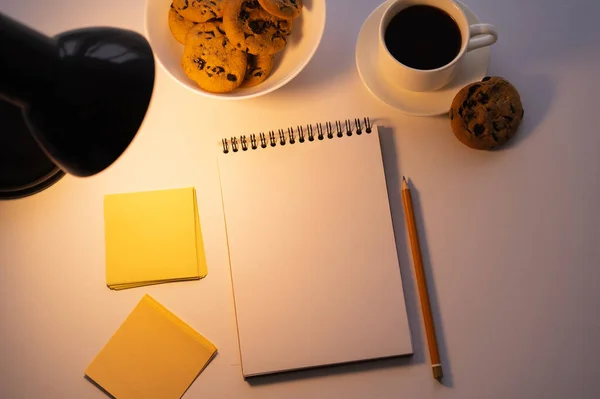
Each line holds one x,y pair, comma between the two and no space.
473,37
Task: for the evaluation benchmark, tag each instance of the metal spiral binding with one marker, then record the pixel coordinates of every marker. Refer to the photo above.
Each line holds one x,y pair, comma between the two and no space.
298,135
281,137
263,140
340,131
225,146
329,130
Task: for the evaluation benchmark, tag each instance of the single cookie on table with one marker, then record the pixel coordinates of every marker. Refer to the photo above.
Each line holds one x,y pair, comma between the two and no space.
199,10
258,69
252,29
210,60
288,9
178,25
485,115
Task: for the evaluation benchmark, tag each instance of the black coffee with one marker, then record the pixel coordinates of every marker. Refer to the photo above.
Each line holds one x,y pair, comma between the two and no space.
423,37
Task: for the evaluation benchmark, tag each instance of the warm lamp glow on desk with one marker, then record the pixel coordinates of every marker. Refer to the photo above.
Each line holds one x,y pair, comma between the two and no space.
70,103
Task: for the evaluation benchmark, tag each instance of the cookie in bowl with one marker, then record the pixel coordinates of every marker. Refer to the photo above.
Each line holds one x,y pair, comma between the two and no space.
178,25
199,10
258,69
288,9
252,29
210,60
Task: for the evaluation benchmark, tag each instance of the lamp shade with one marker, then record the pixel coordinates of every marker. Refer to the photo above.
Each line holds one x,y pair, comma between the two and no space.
83,93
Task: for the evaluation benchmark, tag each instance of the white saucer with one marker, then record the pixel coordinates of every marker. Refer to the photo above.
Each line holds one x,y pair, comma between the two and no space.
473,67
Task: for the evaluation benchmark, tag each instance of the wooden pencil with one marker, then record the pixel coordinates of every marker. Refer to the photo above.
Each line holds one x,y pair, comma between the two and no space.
434,354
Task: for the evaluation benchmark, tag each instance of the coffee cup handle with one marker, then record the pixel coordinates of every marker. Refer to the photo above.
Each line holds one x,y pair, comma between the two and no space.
482,35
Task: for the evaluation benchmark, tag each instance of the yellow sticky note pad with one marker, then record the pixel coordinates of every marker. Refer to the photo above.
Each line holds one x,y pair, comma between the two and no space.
153,355
152,237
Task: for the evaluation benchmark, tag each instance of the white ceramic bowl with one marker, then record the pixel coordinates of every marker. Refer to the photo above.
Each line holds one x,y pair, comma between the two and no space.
307,31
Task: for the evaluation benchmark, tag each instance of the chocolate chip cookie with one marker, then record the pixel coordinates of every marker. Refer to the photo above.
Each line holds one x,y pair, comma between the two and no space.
178,25
485,115
252,29
282,8
210,60
258,69
199,10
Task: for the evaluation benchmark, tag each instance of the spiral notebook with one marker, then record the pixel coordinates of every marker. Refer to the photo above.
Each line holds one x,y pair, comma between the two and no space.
313,259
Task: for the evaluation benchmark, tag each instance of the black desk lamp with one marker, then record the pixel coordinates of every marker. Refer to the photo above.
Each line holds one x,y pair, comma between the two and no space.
70,103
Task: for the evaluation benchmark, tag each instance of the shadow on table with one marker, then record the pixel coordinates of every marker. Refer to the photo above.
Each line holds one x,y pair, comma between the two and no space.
99,387
413,306
536,96
537,93
325,371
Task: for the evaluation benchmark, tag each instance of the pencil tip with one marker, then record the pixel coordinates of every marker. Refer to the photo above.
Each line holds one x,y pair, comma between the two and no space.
437,372
403,178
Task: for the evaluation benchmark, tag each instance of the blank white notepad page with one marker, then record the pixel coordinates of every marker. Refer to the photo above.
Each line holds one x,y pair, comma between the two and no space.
313,258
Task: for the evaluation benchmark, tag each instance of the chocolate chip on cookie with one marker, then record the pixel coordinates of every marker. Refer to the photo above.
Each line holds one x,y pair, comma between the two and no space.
199,10
252,29
287,9
178,25
210,60
485,115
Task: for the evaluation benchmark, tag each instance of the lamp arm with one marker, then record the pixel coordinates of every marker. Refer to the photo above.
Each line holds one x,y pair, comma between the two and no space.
28,62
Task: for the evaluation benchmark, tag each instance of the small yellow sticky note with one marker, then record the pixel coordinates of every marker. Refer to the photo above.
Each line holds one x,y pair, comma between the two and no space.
152,237
153,355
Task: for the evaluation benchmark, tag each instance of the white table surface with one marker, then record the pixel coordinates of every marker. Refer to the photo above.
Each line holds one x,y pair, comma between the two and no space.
510,237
